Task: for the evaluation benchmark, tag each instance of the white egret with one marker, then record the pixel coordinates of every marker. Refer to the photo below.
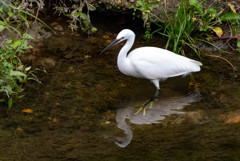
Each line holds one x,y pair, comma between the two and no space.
151,63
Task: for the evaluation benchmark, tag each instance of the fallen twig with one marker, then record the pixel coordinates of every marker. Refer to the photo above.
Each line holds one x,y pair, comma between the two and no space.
233,67
226,37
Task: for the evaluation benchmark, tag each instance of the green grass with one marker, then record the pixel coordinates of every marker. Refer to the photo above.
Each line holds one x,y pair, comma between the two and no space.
179,30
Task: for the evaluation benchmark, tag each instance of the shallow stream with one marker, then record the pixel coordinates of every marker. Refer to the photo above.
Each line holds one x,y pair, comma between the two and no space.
84,108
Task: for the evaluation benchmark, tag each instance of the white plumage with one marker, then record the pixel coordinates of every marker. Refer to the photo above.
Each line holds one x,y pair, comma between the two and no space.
155,63
151,63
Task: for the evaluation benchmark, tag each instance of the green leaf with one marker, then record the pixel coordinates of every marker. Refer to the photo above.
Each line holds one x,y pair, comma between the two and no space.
211,13
1,28
139,3
78,13
28,68
196,4
16,44
25,45
238,44
9,41
8,90
17,73
230,16
68,15
10,103
10,14
20,67
93,29
84,16
3,23
2,100
14,61
91,7
7,65
146,5
156,3
35,79
235,29
27,36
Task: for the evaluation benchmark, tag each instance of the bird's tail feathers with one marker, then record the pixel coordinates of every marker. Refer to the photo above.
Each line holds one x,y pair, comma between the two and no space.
196,62
195,65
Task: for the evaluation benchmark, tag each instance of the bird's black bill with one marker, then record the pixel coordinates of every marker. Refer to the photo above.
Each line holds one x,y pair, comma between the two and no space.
110,45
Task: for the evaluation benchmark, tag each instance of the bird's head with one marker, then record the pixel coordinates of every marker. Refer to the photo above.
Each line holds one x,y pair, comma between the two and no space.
125,34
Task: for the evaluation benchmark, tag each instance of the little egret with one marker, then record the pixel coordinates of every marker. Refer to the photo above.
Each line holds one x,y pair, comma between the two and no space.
151,63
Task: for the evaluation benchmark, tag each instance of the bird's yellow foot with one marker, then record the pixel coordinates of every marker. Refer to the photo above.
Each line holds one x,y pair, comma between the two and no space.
144,106
139,110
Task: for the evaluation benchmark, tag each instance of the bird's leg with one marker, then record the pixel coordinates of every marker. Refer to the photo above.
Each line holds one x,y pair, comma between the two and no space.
154,96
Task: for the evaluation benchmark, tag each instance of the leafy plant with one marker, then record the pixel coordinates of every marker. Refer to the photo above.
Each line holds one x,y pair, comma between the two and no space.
233,18
13,73
206,18
146,7
210,19
179,30
76,14
187,21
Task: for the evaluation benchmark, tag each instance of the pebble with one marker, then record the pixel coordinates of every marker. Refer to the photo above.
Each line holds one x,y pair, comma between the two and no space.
100,87
54,24
122,85
105,36
87,56
48,62
27,110
19,129
70,69
235,119
57,104
107,122
58,28
108,41
54,120
39,44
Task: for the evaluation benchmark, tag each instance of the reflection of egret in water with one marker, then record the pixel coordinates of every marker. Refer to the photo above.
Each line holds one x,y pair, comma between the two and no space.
161,108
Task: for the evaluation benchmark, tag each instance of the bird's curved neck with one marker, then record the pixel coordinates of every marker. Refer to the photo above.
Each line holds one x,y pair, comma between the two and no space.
125,49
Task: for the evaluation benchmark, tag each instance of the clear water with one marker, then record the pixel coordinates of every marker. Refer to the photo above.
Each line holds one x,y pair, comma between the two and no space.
84,109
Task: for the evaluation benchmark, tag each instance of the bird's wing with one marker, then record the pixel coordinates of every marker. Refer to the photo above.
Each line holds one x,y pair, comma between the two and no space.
157,63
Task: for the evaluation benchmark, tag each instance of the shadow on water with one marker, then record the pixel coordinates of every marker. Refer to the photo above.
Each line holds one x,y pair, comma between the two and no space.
162,107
